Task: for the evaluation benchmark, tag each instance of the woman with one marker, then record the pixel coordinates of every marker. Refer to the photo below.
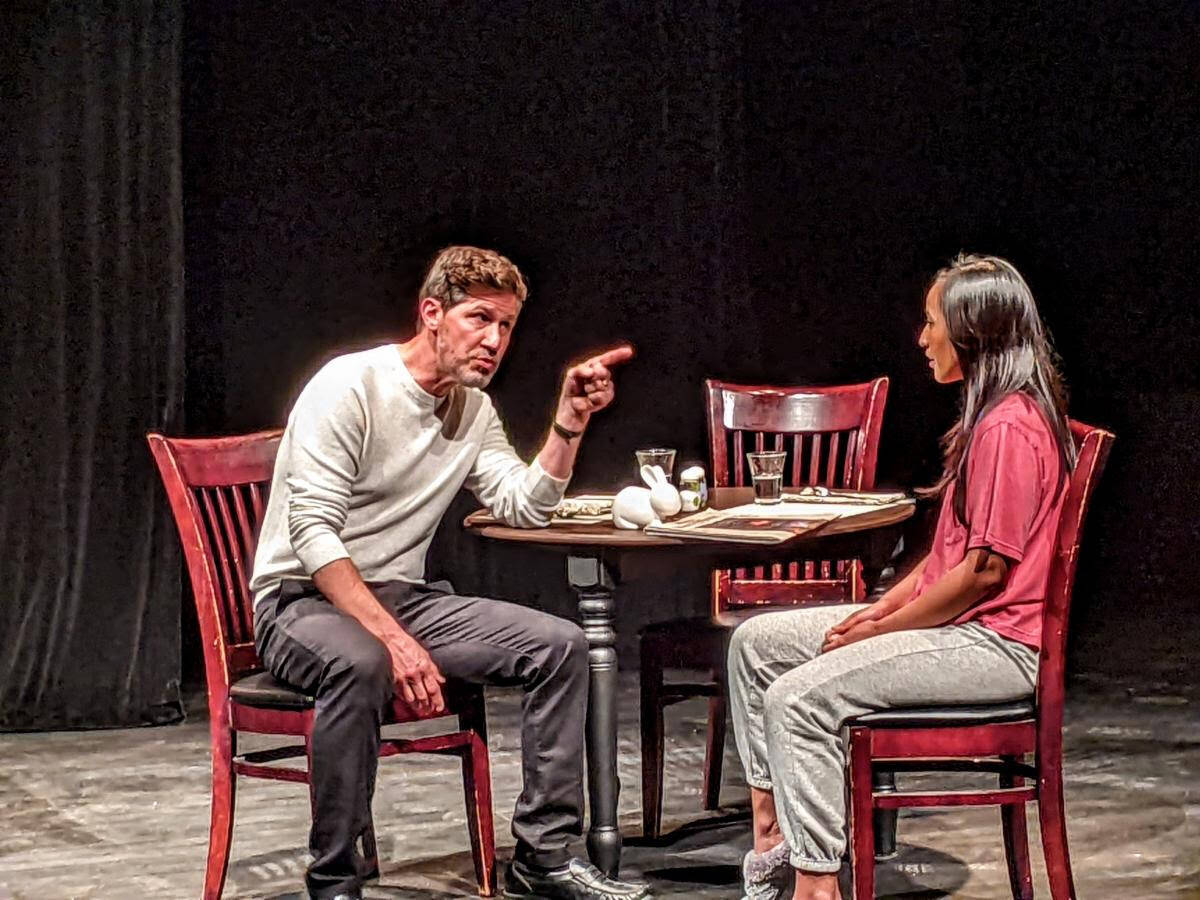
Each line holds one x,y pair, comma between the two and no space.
964,626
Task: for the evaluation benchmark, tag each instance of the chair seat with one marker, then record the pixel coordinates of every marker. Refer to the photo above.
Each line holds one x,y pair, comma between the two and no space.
265,691
948,716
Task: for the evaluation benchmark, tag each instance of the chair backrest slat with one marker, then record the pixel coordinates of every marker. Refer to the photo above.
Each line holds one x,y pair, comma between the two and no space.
834,438
247,535
220,560
851,453
256,501
208,482
245,530
831,465
239,575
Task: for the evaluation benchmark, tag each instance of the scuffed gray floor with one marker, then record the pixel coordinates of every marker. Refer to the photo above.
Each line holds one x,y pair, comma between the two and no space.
125,813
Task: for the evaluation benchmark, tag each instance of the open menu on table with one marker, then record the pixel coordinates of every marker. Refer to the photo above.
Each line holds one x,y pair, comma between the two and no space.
770,524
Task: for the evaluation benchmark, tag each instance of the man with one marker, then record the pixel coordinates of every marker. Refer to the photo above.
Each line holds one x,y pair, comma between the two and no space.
376,447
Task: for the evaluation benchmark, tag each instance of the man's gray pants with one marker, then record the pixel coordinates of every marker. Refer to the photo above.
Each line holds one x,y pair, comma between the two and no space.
789,702
306,641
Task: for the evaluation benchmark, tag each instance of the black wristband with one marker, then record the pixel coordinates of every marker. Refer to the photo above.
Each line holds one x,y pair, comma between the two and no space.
565,433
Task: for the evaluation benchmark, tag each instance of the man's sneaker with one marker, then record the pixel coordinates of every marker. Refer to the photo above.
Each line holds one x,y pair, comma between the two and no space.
768,876
576,880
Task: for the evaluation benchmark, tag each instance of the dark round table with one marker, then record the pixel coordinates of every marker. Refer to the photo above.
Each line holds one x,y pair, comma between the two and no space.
599,556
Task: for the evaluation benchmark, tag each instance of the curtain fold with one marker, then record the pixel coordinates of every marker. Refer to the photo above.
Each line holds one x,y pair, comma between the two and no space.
91,276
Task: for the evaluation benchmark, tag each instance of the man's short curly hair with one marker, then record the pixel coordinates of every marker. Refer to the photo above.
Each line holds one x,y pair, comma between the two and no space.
455,269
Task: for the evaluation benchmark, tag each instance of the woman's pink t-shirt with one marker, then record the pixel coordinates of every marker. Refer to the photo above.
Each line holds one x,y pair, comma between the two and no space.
1014,501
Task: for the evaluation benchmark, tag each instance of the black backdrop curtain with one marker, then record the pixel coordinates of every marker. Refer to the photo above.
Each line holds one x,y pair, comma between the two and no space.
92,339
753,191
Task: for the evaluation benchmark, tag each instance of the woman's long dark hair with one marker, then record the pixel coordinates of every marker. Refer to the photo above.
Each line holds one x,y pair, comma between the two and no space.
1003,349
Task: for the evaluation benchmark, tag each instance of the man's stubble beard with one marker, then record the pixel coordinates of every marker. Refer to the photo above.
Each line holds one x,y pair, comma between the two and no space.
462,373
468,377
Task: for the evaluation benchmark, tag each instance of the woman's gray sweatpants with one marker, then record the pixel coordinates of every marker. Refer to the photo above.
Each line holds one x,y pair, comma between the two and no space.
790,701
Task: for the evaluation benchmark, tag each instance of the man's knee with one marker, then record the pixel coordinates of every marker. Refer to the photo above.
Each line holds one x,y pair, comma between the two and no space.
571,638
564,642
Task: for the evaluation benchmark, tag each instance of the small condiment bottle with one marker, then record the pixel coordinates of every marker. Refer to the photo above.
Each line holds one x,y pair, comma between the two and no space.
692,479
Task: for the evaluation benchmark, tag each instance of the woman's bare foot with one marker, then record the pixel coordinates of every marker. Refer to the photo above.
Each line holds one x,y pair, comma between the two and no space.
817,886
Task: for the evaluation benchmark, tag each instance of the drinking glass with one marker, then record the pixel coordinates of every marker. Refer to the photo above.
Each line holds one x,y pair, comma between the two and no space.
655,456
766,468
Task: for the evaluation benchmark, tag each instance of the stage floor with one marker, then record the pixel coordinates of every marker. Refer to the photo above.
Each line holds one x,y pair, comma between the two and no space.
124,813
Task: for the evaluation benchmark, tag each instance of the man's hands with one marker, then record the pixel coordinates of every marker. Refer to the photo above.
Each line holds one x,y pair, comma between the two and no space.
587,387
418,681
416,676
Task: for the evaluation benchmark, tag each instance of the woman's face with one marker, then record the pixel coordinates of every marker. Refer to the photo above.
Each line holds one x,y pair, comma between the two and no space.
935,340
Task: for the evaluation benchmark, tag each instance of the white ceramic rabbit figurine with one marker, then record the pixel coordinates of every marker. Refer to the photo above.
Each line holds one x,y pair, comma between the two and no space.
631,508
664,498
637,507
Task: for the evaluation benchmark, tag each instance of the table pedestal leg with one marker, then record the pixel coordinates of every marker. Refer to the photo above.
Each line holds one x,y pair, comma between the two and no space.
592,581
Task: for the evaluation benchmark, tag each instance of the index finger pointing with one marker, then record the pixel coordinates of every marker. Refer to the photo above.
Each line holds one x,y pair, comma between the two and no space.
615,356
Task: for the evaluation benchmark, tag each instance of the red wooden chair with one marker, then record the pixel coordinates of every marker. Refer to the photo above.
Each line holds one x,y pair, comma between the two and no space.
831,435
217,491
989,738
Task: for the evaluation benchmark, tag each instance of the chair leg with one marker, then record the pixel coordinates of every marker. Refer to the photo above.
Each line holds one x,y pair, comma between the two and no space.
1016,839
220,829
885,820
862,820
477,785
714,751
651,677
473,712
1052,815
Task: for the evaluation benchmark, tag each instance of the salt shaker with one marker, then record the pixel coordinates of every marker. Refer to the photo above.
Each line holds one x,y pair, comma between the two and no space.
692,479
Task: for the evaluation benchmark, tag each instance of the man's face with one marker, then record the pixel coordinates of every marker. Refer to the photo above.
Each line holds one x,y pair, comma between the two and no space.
472,336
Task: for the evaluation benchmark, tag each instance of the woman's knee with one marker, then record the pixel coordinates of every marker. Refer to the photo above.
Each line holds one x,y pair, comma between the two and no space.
797,703
745,644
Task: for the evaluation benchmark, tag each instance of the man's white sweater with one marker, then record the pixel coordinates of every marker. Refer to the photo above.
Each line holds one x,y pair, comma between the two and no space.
370,461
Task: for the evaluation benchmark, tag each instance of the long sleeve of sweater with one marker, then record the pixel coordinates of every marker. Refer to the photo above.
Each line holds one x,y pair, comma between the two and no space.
517,494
